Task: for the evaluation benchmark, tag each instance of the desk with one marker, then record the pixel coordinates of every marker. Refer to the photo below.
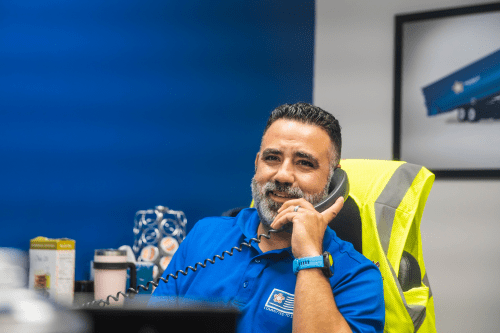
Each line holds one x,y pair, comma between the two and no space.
135,317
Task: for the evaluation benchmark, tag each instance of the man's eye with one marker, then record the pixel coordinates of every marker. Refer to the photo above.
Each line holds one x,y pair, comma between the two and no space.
306,163
271,158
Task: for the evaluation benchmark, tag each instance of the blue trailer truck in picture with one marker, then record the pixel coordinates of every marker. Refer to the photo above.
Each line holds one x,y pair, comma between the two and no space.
473,90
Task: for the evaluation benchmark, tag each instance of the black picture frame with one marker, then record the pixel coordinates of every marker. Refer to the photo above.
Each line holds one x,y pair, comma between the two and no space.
420,25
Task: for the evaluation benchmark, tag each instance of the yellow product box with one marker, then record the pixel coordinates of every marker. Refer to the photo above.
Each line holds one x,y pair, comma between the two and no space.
52,268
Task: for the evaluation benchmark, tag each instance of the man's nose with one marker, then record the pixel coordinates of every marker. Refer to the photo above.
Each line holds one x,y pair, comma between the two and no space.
284,173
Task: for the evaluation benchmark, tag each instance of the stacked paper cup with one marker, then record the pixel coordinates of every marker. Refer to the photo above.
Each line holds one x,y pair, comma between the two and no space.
157,235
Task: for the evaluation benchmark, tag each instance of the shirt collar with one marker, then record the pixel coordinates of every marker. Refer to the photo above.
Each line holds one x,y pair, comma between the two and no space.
248,221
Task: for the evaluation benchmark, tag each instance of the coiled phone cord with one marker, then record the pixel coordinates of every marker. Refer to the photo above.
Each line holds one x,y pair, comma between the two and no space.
131,292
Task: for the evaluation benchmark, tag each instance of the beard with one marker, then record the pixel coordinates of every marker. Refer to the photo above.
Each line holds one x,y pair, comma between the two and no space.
268,208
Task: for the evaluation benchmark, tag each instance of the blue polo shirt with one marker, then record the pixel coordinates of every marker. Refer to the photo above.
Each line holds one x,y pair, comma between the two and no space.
262,285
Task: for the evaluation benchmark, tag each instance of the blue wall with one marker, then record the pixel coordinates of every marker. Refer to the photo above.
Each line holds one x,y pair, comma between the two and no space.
109,107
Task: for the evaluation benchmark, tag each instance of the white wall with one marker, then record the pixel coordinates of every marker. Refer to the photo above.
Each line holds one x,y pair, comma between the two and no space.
354,80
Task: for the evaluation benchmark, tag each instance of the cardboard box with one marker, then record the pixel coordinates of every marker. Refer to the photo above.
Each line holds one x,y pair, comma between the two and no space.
52,268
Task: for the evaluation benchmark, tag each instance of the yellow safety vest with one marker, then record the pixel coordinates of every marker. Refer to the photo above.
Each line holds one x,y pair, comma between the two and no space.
391,197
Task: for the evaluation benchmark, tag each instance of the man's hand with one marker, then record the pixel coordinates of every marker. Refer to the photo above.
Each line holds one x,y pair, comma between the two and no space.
308,225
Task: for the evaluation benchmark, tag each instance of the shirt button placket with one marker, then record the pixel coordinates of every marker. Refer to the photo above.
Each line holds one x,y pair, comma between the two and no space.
246,290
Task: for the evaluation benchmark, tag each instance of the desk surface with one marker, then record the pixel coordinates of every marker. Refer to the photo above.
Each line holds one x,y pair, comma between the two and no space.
135,317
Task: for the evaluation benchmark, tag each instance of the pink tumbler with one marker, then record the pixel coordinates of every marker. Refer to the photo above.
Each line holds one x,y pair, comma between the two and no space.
110,274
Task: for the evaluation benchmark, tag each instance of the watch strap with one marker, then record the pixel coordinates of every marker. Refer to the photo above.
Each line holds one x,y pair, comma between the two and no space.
308,262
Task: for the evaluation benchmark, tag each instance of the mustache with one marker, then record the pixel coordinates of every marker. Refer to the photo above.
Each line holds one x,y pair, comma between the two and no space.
286,188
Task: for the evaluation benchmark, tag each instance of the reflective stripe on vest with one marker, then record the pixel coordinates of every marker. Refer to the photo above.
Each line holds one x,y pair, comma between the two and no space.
390,198
385,213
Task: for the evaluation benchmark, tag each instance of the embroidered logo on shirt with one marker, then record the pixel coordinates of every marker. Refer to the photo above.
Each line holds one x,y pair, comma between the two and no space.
280,302
279,298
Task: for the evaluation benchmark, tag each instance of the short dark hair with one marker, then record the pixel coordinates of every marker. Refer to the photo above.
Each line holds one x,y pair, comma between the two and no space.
310,114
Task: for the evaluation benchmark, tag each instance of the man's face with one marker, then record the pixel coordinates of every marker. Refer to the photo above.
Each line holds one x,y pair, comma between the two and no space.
294,161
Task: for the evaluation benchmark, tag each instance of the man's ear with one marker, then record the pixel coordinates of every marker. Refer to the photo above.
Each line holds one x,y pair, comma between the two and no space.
256,161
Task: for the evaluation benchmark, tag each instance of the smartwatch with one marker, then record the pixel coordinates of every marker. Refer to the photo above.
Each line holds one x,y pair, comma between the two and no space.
325,262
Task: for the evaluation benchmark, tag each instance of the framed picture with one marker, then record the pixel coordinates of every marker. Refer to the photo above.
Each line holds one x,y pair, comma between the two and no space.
447,90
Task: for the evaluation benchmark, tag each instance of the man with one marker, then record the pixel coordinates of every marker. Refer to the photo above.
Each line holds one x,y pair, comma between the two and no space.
299,151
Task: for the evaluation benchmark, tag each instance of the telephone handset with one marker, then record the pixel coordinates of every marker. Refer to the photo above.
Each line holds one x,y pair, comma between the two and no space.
339,187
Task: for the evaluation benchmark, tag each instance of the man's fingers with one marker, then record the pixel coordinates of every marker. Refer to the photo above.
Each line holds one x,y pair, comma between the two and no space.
287,211
280,221
331,212
295,202
290,206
